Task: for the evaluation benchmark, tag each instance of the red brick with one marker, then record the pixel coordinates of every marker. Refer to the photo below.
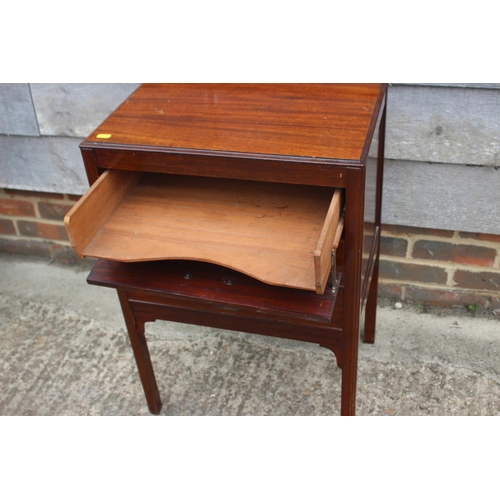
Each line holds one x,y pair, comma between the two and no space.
73,197
400,271
26,247
495,238
16,207
477,281
446,298
461,254
408,230
34,194
42,230
53,211
7,227
395,247
390,291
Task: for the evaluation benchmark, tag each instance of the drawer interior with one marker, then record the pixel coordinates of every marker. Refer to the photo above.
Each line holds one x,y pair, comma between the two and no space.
281,234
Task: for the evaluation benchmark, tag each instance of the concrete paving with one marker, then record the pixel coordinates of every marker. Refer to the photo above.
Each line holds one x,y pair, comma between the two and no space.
64,351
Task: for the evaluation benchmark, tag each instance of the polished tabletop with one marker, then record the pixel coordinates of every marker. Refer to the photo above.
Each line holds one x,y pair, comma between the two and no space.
298,120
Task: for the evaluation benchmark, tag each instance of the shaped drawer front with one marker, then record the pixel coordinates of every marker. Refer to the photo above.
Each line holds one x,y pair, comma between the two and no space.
281,234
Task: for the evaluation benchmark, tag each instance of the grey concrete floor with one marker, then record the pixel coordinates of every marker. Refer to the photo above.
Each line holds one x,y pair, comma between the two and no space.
64,351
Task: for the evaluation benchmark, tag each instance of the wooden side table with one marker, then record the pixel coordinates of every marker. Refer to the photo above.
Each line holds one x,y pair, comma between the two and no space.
253,208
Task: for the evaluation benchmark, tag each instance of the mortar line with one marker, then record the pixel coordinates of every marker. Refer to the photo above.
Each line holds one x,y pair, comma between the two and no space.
409,250
454,240
34,218
447,265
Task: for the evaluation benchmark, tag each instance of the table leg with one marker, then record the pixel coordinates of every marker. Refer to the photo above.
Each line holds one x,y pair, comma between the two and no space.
135,330
371,308
349,380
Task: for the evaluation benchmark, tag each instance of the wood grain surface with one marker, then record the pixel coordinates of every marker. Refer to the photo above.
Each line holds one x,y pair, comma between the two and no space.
306,120
93,210
272,232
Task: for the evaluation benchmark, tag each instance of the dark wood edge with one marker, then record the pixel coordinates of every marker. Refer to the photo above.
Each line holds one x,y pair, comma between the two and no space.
267,170
90,164
380,163
219,154
370,266
379,107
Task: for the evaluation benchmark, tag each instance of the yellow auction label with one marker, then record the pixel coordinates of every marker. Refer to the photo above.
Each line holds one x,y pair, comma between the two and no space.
103,136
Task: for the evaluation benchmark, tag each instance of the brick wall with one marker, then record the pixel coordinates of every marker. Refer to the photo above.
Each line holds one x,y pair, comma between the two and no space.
438,267
31,223
426,266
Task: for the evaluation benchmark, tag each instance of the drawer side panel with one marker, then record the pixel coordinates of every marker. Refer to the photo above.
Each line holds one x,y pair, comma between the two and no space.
91,212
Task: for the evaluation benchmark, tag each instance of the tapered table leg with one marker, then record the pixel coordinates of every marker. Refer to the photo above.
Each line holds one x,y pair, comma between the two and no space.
135,330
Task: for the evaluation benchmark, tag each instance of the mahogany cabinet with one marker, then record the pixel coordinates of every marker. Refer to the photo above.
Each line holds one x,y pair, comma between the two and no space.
251,207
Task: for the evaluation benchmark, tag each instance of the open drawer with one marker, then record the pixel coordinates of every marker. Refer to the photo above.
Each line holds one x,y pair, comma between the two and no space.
281,234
